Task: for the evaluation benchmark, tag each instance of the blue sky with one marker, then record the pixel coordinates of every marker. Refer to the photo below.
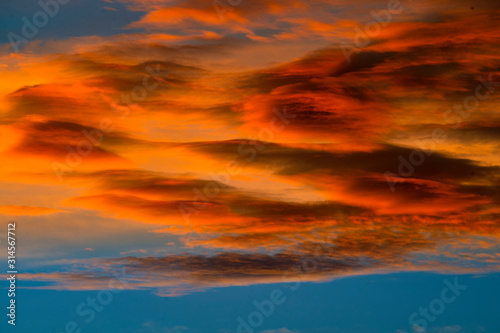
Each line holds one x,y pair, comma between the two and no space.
375,303
77,18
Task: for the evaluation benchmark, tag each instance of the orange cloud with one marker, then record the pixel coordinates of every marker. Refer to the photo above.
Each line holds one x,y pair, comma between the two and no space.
27,210
313,135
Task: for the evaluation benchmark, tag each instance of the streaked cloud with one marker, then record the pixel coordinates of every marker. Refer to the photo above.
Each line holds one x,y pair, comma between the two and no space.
185,93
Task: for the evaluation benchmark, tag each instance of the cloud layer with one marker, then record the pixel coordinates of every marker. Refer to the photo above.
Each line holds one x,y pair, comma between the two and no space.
253,139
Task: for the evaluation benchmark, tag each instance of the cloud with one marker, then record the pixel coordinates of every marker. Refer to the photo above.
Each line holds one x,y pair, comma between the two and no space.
316,186
280,330
449,329
27,210
176,275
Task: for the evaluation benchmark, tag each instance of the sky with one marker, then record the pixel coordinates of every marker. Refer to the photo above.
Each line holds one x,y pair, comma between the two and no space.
238,166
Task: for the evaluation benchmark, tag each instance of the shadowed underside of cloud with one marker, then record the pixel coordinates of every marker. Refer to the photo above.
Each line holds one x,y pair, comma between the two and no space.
180,274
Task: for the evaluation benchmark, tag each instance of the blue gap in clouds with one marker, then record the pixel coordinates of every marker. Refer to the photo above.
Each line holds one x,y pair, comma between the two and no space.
75,19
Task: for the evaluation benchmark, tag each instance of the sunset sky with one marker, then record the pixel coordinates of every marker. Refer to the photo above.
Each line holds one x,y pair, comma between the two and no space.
203,154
